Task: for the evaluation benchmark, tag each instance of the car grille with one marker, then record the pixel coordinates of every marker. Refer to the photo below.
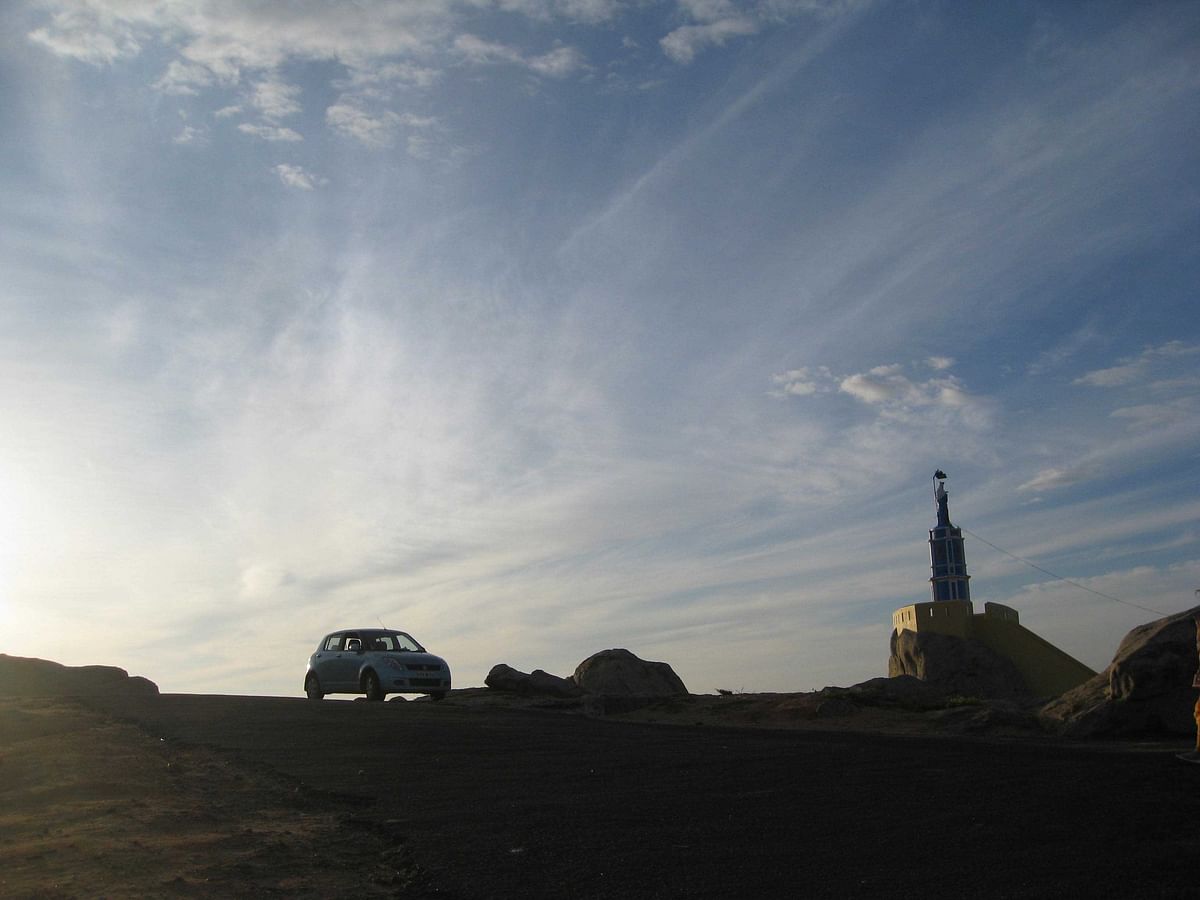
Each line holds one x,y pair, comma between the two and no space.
425,682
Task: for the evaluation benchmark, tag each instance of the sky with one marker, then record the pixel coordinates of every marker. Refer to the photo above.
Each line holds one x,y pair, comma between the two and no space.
540,327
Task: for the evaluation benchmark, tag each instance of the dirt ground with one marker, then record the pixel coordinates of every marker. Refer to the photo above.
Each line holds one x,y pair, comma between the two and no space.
478,797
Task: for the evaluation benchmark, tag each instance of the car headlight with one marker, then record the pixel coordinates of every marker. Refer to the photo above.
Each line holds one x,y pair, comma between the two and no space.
396,664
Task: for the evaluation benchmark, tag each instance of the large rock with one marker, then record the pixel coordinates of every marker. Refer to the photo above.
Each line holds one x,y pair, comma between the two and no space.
955,665
618,673
503,677
902,690
1147,689
29,677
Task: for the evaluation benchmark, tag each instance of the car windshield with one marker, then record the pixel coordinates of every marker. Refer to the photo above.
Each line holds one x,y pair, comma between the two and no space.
390,642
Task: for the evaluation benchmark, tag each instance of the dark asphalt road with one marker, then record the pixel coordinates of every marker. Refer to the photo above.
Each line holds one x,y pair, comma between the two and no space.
505,803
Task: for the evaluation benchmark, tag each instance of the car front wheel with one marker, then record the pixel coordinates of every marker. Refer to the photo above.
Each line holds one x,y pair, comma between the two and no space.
372,687
312,688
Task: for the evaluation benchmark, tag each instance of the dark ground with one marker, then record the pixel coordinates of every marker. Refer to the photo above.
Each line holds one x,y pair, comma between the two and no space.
444,801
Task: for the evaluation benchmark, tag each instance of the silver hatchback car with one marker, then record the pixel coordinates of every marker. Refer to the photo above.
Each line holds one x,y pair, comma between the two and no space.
375,662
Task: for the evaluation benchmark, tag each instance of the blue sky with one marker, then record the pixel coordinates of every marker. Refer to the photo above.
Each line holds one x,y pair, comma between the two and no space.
538,327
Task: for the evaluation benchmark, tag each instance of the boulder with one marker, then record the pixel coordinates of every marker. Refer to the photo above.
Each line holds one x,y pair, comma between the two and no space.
503,677
619,673
1147,689
905,691
29,677
955,665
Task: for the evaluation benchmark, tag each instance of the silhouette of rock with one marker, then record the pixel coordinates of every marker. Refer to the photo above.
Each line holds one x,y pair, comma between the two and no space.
906,691
30,677
619,673
503,677
955,665
1147,688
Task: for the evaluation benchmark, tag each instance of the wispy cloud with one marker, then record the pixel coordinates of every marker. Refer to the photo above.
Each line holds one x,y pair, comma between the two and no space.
275,99
1135,368
682,44
371,130
1060,477
803,381
556,63
190,134
298,177
270,132
887,387
713,23
88,34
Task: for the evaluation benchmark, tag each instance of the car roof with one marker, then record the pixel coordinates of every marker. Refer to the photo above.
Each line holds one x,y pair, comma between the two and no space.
367,631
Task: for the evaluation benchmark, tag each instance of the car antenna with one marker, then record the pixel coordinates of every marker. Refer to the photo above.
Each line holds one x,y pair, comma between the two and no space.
381,625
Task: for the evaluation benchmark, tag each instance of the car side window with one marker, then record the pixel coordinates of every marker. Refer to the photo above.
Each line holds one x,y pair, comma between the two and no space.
333,642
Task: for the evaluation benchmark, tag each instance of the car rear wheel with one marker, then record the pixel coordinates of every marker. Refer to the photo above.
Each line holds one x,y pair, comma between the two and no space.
312,688
372,687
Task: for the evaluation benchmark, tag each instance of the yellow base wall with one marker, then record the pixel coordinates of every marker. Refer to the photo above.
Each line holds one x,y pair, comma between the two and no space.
1047,670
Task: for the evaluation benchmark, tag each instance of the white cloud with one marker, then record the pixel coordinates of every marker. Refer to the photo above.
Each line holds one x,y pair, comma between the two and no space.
1058,477
682,44
189,134
1114,376
275,99
378,79
269,132
1131,369
714,23
184,78
476,50
89,35
802,382
557,63
940,362
372,130
1153,415
887,387
882,384
298,177
585,11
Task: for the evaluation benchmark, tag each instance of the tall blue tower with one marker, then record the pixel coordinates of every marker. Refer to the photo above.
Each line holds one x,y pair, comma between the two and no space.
950,580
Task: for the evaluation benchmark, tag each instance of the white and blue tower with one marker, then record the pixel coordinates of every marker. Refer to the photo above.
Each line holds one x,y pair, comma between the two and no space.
947,558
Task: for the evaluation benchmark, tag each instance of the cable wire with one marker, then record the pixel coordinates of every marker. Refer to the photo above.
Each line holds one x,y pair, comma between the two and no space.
1082,587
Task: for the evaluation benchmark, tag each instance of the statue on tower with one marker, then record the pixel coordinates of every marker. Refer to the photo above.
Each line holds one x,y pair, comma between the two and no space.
941,499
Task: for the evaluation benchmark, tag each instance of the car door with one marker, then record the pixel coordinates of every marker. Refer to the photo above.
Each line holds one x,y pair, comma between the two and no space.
337,667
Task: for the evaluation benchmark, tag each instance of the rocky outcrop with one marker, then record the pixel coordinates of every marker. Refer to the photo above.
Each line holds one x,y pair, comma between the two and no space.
1147,689
904,691
619,673
28,677
955,665
503,677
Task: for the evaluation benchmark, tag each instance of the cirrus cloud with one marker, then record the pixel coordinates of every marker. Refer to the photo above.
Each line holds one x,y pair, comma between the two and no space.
269,132
298,177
